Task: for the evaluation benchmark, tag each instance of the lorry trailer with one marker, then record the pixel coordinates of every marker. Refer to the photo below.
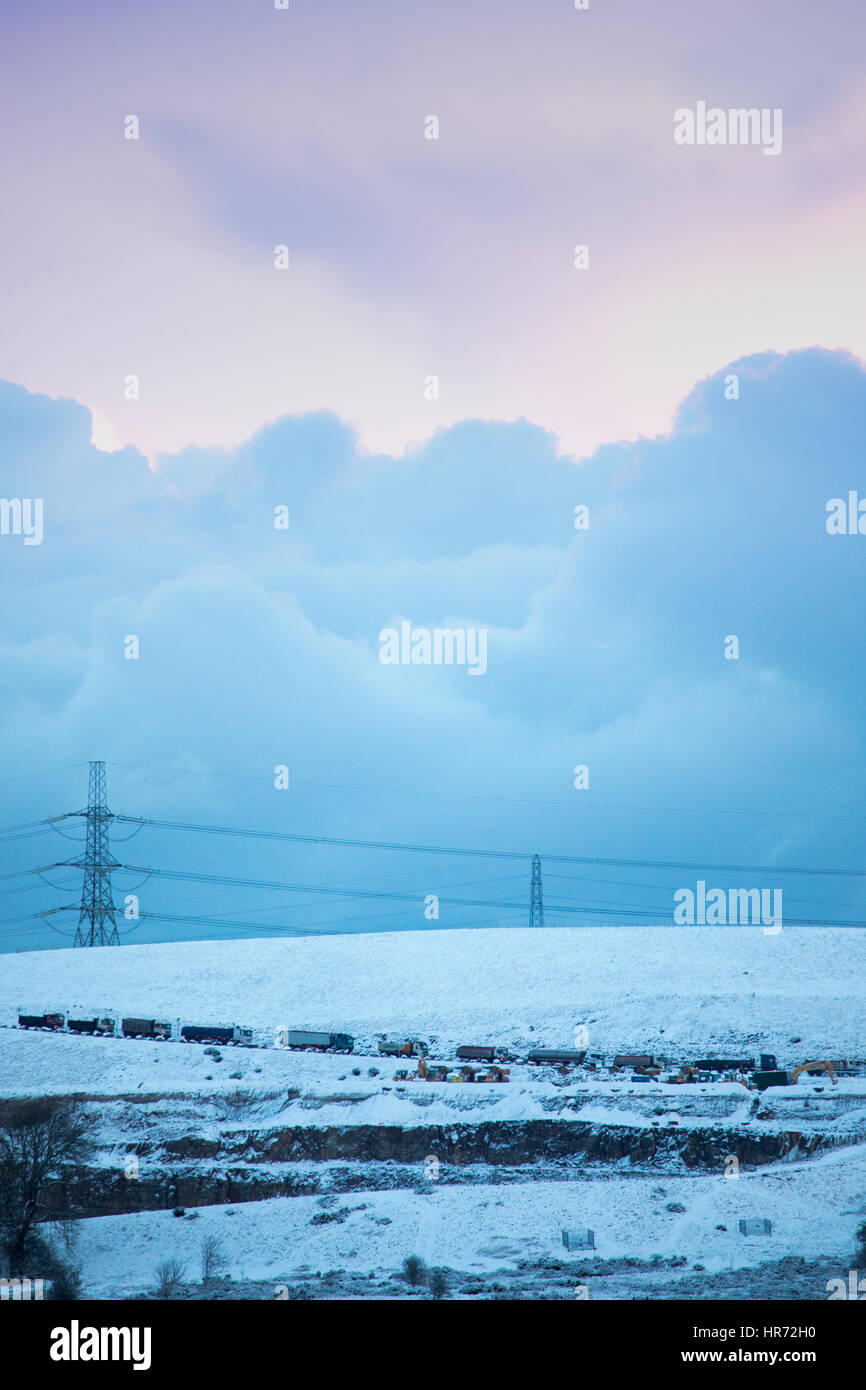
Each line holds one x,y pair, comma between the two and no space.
406,1047
632,1059
102,1026
566,1056
145,1028
320,1042
726,1064
52,1021
761,1080
216,1033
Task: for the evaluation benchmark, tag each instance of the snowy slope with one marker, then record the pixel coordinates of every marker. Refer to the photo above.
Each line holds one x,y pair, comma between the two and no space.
677,989
815,1209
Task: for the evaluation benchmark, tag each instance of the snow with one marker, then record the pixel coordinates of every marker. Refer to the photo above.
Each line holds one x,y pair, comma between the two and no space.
681,993
682,990
813,1208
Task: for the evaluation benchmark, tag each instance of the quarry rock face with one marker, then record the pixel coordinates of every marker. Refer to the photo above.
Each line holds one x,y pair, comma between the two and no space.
192,1171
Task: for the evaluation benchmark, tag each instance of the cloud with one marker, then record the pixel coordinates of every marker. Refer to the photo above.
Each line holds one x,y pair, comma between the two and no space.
413,257
259,647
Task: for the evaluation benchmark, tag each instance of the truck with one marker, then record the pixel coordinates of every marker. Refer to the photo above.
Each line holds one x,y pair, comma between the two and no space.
564,1056
320,1042
727,1064
405,1047
52,1022
145,1028
102,1026
216,1033
634,1059
761,1080
470,1052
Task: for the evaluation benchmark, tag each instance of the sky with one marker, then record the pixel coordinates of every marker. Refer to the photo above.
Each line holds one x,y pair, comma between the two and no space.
309,389
412,257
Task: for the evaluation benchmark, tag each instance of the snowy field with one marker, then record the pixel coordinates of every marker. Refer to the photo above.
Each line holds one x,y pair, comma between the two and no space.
814,1209
680,991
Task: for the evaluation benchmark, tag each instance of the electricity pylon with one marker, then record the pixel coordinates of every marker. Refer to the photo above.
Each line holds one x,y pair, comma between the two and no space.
96,924
536,897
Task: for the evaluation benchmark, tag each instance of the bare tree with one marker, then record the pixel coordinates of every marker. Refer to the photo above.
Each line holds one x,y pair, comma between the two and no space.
169,1277
213,1261
414,1270
37,1138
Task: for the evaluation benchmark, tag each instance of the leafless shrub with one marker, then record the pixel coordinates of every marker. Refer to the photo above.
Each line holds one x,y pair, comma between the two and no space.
213,1261
169,1278
414,1270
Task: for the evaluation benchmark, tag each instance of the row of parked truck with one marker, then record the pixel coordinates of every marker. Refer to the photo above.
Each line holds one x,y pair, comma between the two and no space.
759,1073
295,1038
151,1028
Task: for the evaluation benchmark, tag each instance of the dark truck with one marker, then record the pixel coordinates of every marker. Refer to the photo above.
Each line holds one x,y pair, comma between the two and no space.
472,1053
762,1080
53,1022
102,1026
304,1038
564,1056
145,1028
725,1064
215,1033
632,1059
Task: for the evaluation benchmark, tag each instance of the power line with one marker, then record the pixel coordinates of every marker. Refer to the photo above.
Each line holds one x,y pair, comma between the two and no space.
403,848
25,873
187,876
233,925
97,924
613,911
666,888
510,800
290,931
33,827
41,772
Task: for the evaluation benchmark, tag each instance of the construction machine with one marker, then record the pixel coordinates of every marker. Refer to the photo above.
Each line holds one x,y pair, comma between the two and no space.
761,1080
686,1074
496,1074
811,1067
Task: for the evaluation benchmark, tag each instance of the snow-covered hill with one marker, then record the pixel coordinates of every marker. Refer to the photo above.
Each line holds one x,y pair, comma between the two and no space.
676,990
813,1207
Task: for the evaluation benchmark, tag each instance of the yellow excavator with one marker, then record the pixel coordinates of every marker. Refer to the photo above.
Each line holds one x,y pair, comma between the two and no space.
793,1076
686,1074
811,1067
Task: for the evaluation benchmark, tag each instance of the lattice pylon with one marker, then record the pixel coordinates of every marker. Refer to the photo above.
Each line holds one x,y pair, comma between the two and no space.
96,922
536,895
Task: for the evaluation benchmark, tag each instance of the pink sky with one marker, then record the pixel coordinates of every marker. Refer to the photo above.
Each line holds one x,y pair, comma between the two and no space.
413,257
